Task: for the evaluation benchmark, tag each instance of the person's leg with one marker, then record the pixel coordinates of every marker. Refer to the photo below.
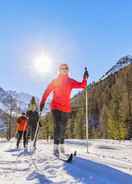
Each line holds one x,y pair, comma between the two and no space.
29,133
57,120
19,138
33,131
25,139
64,119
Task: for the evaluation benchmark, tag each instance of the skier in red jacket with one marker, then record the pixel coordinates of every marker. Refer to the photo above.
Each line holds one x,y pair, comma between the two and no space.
60,105
22,129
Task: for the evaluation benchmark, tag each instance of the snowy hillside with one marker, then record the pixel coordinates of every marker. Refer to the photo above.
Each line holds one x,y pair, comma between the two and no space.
19,99
22,99
109,162
122,63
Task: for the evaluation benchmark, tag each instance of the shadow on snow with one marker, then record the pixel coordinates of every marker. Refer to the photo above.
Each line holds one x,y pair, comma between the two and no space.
41,179
89,172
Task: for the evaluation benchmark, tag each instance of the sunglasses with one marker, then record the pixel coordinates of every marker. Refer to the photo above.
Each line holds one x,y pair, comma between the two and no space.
64,68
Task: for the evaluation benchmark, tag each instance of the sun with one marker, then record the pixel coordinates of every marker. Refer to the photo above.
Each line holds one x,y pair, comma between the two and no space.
42,65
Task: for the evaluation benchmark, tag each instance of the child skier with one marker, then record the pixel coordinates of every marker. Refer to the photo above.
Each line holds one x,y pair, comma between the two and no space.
22,128
61,88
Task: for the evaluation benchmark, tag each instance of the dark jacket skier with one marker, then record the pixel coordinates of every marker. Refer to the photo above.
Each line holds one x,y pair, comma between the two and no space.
33,117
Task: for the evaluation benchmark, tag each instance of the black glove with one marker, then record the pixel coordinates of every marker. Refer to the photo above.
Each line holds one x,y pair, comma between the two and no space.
40,125
86,74
41,107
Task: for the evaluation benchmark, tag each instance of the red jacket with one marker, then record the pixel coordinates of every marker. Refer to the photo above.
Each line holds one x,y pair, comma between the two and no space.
61,88
22,124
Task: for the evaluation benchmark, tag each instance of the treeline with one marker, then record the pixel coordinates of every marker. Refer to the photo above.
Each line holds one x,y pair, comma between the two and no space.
109,110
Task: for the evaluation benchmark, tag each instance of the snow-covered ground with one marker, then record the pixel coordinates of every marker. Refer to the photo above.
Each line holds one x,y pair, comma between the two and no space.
108,162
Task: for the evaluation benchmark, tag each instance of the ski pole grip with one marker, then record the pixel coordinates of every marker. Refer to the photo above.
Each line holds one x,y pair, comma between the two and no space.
86,74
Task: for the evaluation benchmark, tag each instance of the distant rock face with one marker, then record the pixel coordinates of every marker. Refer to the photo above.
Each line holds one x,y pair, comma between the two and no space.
17,100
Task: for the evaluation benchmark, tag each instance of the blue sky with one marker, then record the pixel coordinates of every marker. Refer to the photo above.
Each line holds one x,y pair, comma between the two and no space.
78,32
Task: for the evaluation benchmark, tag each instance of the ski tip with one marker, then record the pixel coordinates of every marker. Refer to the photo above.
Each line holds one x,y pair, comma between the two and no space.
70,159
75,153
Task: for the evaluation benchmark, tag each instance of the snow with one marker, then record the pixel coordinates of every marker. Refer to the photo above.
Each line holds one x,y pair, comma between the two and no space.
108,162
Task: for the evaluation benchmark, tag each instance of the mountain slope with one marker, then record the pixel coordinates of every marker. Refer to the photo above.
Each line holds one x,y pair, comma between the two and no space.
20,100
109,105
122,63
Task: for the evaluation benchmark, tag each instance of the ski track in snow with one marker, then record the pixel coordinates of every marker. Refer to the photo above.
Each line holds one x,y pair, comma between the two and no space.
108,162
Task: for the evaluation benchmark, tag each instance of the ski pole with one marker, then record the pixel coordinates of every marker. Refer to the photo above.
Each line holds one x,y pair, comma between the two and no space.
86,113
36,132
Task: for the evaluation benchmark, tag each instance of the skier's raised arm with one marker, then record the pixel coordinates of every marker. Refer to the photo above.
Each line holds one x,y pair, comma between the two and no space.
83,84
76,84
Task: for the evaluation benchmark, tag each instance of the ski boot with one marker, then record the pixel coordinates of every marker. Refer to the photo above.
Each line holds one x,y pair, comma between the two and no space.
56,150
62,150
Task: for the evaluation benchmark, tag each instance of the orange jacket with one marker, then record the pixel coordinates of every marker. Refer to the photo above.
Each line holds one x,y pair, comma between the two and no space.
61,88
22,124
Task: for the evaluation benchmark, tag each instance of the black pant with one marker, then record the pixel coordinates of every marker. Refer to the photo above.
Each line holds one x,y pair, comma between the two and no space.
20,134
60,121
32,130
